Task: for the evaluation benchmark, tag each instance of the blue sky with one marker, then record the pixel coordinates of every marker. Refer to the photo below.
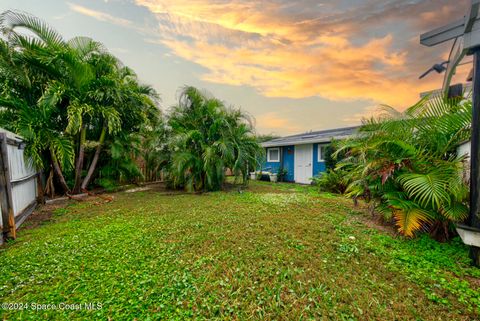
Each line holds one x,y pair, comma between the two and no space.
293,65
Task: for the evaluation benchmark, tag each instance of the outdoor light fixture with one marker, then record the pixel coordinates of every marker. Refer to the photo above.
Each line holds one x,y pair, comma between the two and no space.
439,68
22,145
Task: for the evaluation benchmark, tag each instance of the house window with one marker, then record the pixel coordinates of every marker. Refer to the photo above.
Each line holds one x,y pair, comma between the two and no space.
273,155
322,152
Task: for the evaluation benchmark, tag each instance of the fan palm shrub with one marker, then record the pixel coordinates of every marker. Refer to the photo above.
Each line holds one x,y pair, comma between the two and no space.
206,138
406,165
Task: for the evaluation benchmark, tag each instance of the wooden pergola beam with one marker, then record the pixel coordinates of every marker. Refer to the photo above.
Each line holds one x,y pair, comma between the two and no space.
456,29
439,35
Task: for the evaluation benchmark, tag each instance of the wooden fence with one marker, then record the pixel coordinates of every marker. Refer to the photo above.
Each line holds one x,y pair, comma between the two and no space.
18,184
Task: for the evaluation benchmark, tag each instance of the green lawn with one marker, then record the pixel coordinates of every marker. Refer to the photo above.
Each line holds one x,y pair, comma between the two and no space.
278,252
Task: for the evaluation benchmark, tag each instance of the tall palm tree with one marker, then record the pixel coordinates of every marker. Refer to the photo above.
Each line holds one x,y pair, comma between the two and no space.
86,93
32,66
127,107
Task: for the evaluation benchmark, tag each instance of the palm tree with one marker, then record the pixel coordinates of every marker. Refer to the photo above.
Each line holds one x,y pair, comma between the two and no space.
207,138
130,107
86,93
154,148
32,92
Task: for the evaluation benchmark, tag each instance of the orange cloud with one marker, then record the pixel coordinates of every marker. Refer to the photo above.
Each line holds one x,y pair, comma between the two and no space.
241,16
247,43
292,49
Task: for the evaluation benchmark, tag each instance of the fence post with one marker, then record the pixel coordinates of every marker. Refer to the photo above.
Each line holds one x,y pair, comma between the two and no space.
9,228
40,190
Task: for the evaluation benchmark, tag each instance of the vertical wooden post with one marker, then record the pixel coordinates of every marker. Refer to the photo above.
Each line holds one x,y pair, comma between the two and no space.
3,191
3,197
40,190
473,218
9,228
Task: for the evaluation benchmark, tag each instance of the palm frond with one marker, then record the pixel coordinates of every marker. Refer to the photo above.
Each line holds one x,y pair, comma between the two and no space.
11,20
411,220
430,189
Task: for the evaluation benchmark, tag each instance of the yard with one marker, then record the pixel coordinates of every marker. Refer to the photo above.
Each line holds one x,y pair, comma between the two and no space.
279,252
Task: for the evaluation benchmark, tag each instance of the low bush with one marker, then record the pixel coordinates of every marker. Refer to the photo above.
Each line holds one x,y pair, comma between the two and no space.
333,181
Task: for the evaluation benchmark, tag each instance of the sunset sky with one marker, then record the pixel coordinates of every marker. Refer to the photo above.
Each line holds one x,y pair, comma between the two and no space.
293,65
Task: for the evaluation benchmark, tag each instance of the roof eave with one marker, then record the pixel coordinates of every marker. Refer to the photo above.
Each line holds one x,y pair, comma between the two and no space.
303,141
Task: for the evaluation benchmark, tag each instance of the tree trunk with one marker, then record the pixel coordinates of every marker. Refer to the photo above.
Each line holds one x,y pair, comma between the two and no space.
93,165
439,231
58,172
79,164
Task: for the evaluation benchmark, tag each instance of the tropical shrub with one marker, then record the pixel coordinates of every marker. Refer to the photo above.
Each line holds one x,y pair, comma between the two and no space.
333,181
206,138
120,164
154,149
406,165
332,155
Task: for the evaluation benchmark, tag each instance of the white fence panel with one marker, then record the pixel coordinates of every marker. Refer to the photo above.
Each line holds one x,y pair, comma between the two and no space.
19,166
24,185
24,194
19,183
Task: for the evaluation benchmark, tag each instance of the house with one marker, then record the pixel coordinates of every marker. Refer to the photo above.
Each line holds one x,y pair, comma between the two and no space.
302,155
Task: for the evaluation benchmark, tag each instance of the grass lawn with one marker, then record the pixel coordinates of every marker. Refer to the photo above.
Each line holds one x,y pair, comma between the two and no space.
280,252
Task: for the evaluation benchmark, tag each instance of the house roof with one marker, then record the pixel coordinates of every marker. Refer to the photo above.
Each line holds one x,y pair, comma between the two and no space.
322,136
